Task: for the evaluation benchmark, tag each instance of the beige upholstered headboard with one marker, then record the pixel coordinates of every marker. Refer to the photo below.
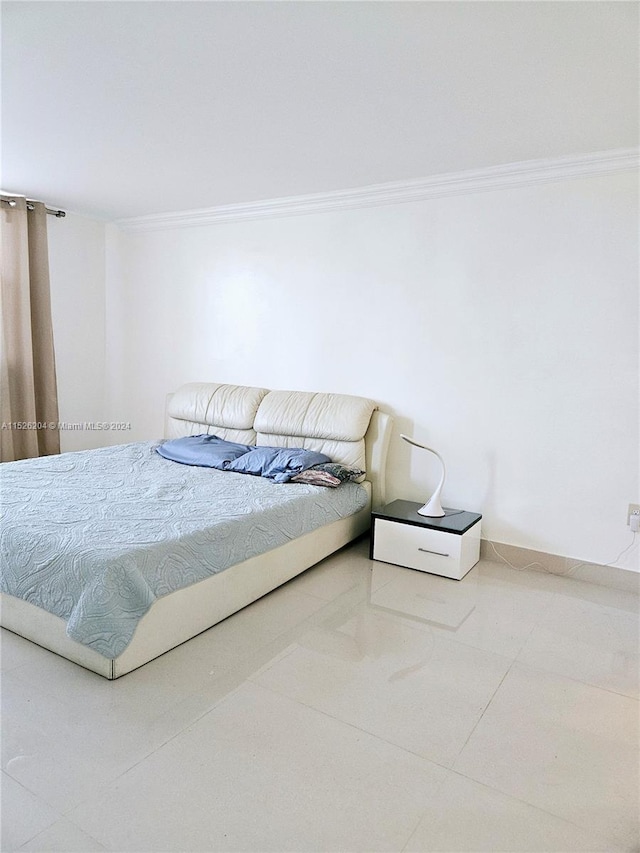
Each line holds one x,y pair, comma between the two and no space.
206,407
348,429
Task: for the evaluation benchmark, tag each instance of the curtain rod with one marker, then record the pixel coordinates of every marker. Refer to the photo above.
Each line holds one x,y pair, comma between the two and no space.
30,206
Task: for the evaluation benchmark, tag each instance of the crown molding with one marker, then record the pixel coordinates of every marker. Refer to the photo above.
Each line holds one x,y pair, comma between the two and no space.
521,174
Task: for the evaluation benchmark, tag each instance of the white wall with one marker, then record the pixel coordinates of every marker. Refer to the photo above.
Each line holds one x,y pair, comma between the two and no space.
77,272
500,327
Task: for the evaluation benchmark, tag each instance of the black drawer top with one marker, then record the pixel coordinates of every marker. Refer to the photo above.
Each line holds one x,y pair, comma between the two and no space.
454,521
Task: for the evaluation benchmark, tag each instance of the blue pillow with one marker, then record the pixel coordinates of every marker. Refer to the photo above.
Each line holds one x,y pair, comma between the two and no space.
206,451
277,463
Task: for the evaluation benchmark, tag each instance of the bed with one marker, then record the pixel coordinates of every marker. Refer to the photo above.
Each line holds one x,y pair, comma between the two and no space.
125,511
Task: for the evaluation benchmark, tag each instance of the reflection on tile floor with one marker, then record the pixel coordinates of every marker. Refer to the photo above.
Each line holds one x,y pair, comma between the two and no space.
362,706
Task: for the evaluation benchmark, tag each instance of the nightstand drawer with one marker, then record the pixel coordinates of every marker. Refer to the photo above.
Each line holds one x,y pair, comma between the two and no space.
436,551
417,548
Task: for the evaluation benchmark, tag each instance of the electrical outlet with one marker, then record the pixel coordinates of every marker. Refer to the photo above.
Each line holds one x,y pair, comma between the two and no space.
634,509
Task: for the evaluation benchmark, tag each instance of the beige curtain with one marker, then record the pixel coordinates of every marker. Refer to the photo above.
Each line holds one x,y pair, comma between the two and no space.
28,391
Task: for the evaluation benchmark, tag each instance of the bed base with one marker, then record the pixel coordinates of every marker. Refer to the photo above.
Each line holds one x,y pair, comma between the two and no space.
178,617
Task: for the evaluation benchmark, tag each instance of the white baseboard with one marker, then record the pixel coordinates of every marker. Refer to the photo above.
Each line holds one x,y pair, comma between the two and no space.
540,561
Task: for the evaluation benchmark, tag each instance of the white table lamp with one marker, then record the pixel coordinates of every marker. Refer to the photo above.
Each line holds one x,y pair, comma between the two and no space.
433,507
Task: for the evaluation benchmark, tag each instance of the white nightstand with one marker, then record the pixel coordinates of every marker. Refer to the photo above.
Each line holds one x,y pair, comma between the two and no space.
447,546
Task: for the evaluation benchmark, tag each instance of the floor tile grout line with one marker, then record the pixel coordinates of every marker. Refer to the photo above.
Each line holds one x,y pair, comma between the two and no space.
520,662
350,725
468,645
269,666
439,787
619,842
314,620
66,812
356,581
59,814
506,793
5,670
63,817
520,800
573,680
539,621
421,758
428,629
484,711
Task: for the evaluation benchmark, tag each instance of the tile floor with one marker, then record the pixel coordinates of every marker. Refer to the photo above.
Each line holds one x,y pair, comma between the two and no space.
361,707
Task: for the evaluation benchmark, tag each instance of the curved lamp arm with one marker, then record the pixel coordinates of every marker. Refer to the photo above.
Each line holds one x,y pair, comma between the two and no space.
433,507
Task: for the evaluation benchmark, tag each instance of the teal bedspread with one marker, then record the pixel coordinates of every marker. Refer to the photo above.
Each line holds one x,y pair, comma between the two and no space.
95,537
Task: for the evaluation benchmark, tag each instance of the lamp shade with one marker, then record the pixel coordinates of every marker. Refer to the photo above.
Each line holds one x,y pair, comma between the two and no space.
433,507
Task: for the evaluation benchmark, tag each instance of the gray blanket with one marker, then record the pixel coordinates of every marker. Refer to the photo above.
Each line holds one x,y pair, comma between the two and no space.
96,537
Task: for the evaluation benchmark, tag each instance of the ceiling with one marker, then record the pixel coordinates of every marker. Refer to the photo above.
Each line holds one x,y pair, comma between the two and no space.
120,109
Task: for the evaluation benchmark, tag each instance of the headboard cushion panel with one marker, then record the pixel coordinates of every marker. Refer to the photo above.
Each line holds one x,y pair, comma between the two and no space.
207,407
334,424
337,416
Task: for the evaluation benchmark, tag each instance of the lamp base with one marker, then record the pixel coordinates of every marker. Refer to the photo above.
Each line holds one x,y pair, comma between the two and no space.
432,508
